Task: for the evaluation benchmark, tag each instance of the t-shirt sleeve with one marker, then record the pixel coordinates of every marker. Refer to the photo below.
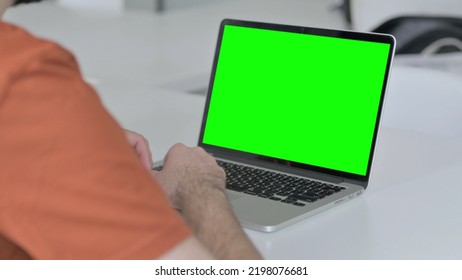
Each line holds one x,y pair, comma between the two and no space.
76,189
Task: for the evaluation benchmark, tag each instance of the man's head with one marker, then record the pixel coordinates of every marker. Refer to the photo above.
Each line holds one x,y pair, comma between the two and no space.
17,2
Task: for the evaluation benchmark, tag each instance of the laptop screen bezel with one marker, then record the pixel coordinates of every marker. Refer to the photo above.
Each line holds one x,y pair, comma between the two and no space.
273,163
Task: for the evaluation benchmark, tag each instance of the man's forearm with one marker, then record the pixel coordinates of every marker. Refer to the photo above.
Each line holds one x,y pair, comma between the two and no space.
196,184
211,219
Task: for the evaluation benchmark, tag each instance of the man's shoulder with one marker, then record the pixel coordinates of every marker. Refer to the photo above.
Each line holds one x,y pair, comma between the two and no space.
18,47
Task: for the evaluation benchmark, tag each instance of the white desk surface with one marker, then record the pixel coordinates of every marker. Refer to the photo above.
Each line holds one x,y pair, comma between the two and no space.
411,209
143,71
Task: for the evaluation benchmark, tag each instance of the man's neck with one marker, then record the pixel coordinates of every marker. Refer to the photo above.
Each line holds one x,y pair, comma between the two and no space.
4,4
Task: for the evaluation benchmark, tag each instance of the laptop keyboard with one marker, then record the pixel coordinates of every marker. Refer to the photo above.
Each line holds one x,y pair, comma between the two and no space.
275,186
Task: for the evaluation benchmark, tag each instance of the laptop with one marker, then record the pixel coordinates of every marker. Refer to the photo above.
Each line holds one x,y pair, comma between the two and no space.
292,115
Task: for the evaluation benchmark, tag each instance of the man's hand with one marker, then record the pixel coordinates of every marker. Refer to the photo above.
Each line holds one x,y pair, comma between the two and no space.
196,184
188,172
141,147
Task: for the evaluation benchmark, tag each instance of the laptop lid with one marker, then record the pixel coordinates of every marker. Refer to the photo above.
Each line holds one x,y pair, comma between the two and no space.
297,99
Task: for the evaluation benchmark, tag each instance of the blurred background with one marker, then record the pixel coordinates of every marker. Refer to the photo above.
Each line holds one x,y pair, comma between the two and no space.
129,47
173,40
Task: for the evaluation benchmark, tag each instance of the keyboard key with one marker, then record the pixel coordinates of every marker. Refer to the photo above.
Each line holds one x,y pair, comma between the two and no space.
250,192
303,198
267,184
236,187
287,201
298,204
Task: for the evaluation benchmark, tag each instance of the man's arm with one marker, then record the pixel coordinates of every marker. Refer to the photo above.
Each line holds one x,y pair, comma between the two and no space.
196,184
189,249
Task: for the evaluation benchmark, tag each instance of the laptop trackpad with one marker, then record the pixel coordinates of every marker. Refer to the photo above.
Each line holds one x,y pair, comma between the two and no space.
263,214
233,195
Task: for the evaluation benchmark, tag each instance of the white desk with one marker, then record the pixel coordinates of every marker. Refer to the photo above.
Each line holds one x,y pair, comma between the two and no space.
412,207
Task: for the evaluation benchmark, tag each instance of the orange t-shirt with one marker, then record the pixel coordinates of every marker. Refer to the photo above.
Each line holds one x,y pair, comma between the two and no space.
71,187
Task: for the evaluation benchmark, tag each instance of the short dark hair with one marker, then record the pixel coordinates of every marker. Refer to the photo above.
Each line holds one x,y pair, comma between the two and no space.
17,2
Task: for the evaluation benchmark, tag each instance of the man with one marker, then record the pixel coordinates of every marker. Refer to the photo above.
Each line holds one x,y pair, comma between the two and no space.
71,187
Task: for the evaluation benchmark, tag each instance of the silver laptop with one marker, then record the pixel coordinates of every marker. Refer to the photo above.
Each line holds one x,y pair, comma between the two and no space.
292,115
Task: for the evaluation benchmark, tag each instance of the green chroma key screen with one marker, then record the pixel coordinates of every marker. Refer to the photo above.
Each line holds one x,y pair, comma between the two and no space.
304,98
